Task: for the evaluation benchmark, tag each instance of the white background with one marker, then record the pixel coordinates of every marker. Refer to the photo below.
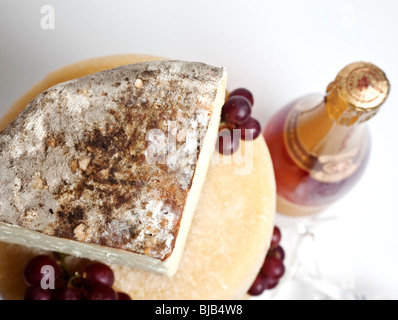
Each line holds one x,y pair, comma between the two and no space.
279,50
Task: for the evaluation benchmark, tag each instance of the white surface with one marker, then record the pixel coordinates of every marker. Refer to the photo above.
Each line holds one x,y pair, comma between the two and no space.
278,49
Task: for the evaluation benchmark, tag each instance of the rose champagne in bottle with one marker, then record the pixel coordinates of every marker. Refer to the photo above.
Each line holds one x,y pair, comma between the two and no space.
320,144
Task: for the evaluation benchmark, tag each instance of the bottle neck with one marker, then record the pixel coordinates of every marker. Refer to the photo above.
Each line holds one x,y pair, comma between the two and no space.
328,149
322,135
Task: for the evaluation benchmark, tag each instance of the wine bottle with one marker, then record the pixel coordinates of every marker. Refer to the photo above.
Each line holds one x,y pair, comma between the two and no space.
320,143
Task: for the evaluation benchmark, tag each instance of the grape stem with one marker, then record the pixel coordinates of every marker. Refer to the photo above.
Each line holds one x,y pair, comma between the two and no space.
77,275
61,261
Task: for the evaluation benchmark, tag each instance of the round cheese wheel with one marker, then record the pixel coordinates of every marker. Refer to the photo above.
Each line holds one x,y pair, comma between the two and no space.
230,232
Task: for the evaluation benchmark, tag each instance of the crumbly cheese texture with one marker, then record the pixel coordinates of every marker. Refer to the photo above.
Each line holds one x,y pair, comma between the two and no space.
77,163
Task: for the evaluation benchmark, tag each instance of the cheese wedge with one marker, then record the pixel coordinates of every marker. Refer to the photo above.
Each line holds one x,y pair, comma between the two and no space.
110,166
227,242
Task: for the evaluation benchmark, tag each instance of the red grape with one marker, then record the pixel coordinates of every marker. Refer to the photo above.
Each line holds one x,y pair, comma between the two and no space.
273,268
236,110
243,93
251,125
98,273
94,283
227,143
101,292
122,296
276,238
258,286
270,283
277,252
61,283
68,294
37,293
33,274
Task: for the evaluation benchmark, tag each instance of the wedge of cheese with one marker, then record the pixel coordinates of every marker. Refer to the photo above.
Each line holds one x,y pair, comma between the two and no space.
227,242
110,166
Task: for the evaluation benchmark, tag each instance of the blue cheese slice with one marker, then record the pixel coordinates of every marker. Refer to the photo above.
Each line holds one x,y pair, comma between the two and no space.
110,166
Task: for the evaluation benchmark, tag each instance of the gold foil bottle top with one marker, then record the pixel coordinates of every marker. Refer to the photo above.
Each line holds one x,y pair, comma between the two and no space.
357,93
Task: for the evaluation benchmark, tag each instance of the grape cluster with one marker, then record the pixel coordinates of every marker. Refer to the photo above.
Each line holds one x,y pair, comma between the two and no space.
236,114
94,283
272,269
